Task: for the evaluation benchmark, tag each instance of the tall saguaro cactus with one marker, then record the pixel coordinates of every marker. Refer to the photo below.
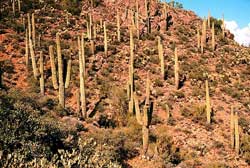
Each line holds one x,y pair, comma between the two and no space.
26,48
213,37
223,26
53,67
198,39
234,130
118,26
137,20
131,72
208,105
161,57
176,69
33,29
208,20
145,118
105,39
41,73
60,71
204,31
82,74
68,74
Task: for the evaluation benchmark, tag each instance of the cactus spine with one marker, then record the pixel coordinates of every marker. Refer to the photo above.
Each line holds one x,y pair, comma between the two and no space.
82,75
213,37
26,48
232,127
32,53
60,71
208,105
68,74
144,119
161,57
176,69
118,26
237,137
105,39
131,72
41,73
33,29
53,67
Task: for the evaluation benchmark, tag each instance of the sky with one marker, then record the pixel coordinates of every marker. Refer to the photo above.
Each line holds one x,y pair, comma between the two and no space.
236,14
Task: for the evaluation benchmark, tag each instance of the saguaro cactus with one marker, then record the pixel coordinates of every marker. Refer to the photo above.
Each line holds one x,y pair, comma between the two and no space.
14,7
131,72
145,118
198,39
33,29
82,81
161,57
53,67
118,26
208,20
26,48
223,26
60,71
41,73
208,105
213,37
137,20
176,69
237,137
19,5
204,31
105,39
92,47
232,127
68,75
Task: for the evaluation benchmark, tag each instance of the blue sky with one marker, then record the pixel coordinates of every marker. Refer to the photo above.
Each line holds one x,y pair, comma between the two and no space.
237,10
236,14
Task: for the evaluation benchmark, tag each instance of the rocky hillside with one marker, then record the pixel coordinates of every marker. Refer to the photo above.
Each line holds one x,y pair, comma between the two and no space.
161,87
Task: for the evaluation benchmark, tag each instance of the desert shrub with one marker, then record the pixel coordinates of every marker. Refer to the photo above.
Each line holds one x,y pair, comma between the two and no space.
196,112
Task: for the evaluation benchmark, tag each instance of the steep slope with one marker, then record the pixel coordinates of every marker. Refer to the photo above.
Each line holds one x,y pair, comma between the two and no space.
226,68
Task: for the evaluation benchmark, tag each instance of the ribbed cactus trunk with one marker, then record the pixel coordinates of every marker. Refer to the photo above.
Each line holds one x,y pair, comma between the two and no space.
60,72
223,26
161,57
13,7
145,118
232,127
78,102
94,31
105,39
209,20
176,69
213,37
137,20
118,26
82,75
33,29
68,74
167,113
26,48
204,31
208,105
131,72
53,67
198,39
237,136
32,53
41,73
90,26
92,47
19,5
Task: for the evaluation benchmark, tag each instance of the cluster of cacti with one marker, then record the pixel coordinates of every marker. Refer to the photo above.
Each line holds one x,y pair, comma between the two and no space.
145,118
131,73
161,57
82,73
60,71
31,46
176,69
208,104
234,129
